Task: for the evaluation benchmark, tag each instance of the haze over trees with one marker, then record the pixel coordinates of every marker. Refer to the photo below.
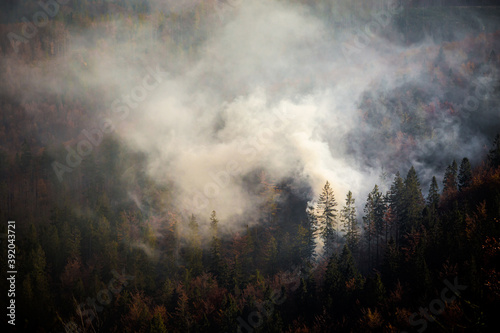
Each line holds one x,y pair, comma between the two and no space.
212,166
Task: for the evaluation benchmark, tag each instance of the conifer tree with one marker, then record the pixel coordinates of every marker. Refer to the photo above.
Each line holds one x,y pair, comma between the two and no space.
396,204
389,220
379,213
313,227
390,267
347,266
194,252
248,254
374,221
304,244
271,255
464,174
450,179
327,218
333,282
433,196
350,225
215,247
369,226
40,283
157,325
494,153
413,202
430,213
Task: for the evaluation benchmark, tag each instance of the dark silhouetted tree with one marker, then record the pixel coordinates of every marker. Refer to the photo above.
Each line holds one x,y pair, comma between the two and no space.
193,251
450,185
413,202
494,153
333,282
215,247
396,204
433,196
350,224
464,174
374,221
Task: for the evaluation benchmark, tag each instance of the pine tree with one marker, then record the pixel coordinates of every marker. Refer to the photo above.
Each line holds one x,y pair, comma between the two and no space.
194,252
327,218
350,225
379,213
312,228
374,221
333,282
389,220
390,267
396,204
375,290
430,213
271,255
215,247
494,153
450,179
369,226
304,243
306,295
248,254
413,202
433,196
347,266
40,283
464,175
71,239
157,325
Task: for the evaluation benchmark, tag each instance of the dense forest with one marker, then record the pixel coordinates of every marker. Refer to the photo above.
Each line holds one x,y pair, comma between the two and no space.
115,232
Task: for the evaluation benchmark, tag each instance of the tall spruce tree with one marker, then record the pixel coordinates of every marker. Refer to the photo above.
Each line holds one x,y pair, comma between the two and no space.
347,266
313,229
389,217
390,266
494,153
333,282
413,202
450,179
350,224
194,252
304,245
327,218
271,255
374,221
369,227
215,247
433,196
464,174
396,204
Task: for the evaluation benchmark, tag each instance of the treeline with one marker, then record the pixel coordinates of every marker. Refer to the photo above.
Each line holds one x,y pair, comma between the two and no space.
332,269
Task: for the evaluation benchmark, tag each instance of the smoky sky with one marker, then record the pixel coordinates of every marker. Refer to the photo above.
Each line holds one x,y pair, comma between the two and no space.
336,91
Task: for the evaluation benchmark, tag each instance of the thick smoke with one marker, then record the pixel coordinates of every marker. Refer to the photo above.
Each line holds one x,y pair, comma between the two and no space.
275,86
270,90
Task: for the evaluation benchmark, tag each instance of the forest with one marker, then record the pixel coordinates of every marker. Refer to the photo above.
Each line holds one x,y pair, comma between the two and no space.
153,192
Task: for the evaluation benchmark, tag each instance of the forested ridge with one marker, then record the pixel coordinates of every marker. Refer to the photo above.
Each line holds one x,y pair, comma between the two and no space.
367,276
104,246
